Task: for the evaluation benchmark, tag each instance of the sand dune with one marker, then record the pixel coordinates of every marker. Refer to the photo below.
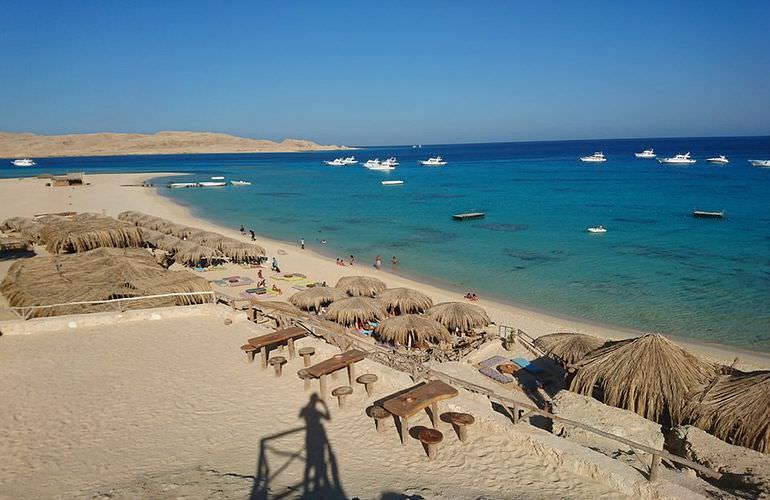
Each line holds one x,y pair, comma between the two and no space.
17,145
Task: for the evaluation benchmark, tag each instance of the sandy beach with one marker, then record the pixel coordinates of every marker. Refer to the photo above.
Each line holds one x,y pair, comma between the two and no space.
163,404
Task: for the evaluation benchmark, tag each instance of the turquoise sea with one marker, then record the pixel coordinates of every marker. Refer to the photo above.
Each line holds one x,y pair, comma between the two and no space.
657,268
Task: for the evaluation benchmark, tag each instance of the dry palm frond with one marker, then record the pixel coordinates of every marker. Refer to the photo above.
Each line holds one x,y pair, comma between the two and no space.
404,301
355,310
283,312
240,251
568,347
360,286
15,243
648,375
734,408
316,297
88,231
459,316
192,255
412,330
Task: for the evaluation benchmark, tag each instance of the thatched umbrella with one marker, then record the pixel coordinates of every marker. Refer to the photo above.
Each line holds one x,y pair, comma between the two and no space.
89,231
192,255
459,316
24,225
734,408
240,251
282,312
568,347
412,330
360,286
355,310
648,375
316,297
404,301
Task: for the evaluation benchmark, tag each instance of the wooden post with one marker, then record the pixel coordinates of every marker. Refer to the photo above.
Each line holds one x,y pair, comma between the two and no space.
322,383
434,414
515,414
404,430
351,373
291,348
654,468
263,357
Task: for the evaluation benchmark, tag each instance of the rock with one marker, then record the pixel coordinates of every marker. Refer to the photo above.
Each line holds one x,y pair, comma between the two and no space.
616,421
742,468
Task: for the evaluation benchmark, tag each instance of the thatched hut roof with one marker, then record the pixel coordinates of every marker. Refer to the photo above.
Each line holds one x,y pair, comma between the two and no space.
568,347
649,375
459,316
239,251
88,231
130,216
355,309
734,408
360,286
29,228
404,301
412,330
101,274
14,243
282,312
316,297
191,254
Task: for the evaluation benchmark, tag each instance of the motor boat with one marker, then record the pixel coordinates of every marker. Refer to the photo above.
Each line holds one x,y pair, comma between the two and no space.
760,163
337,162
597,229
209,184
376,164
177,185
350,160
24,162
721,160
240,183
597,157
677,160
218,178
391,161
433,162
647,153
392,183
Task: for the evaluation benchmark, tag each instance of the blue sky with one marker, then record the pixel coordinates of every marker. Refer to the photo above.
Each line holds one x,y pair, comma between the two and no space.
388,72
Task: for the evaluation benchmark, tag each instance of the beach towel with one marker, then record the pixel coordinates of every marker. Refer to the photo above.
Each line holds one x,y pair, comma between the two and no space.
496,375
233,281
494,361
525,364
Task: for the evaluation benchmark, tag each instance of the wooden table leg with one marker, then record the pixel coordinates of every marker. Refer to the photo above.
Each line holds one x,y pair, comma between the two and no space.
263,357
404,430
434,414
322,383
291,348
351,373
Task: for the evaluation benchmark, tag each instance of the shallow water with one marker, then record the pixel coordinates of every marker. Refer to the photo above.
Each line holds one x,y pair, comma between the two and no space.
656,268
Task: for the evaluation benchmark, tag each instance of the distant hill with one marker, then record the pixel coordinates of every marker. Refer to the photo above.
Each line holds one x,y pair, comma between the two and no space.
25,145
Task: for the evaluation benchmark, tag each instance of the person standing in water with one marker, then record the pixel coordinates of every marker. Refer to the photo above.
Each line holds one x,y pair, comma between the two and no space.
352,259
394,262
378,262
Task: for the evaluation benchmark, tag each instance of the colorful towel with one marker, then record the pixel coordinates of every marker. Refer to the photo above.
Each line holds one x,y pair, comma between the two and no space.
496,375
494,361
525,364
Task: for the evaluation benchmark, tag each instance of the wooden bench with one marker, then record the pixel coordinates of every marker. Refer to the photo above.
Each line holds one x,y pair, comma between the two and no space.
347,359
263,343
408,403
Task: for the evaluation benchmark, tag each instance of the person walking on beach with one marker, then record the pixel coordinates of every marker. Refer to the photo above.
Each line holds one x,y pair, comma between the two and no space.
302,243
378,262
352,259
253,236
243,230
275,265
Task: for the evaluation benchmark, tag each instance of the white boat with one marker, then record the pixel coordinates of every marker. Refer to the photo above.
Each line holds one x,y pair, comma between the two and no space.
760,163
212,184
433,162
337,162
240,183
597,157
350,160
647,153
218,178
721,159
597,230
176,185
392,183
677,160
24,162
391,162
376,164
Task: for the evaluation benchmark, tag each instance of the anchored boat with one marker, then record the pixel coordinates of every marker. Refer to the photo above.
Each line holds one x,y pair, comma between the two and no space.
702,214
469,216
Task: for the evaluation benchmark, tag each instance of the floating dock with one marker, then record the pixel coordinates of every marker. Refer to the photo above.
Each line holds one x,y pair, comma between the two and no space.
701,214
469,216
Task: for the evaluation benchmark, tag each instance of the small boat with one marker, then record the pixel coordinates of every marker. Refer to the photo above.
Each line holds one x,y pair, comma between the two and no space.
24,162
211,184
760,163
350,160
702,214
677,160
376,164
647,153
218,178
721,160
176,185
240,183
337,162
433,162
391,162
597,157
469,216
392,183
597,229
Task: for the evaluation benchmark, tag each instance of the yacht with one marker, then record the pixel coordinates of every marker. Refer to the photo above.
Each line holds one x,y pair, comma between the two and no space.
677,160
597,229
760,163
721,160
240,183
597,157
433,162
391,161
392,183
376,164
208,184
24,162
350,160
647,153
337,162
